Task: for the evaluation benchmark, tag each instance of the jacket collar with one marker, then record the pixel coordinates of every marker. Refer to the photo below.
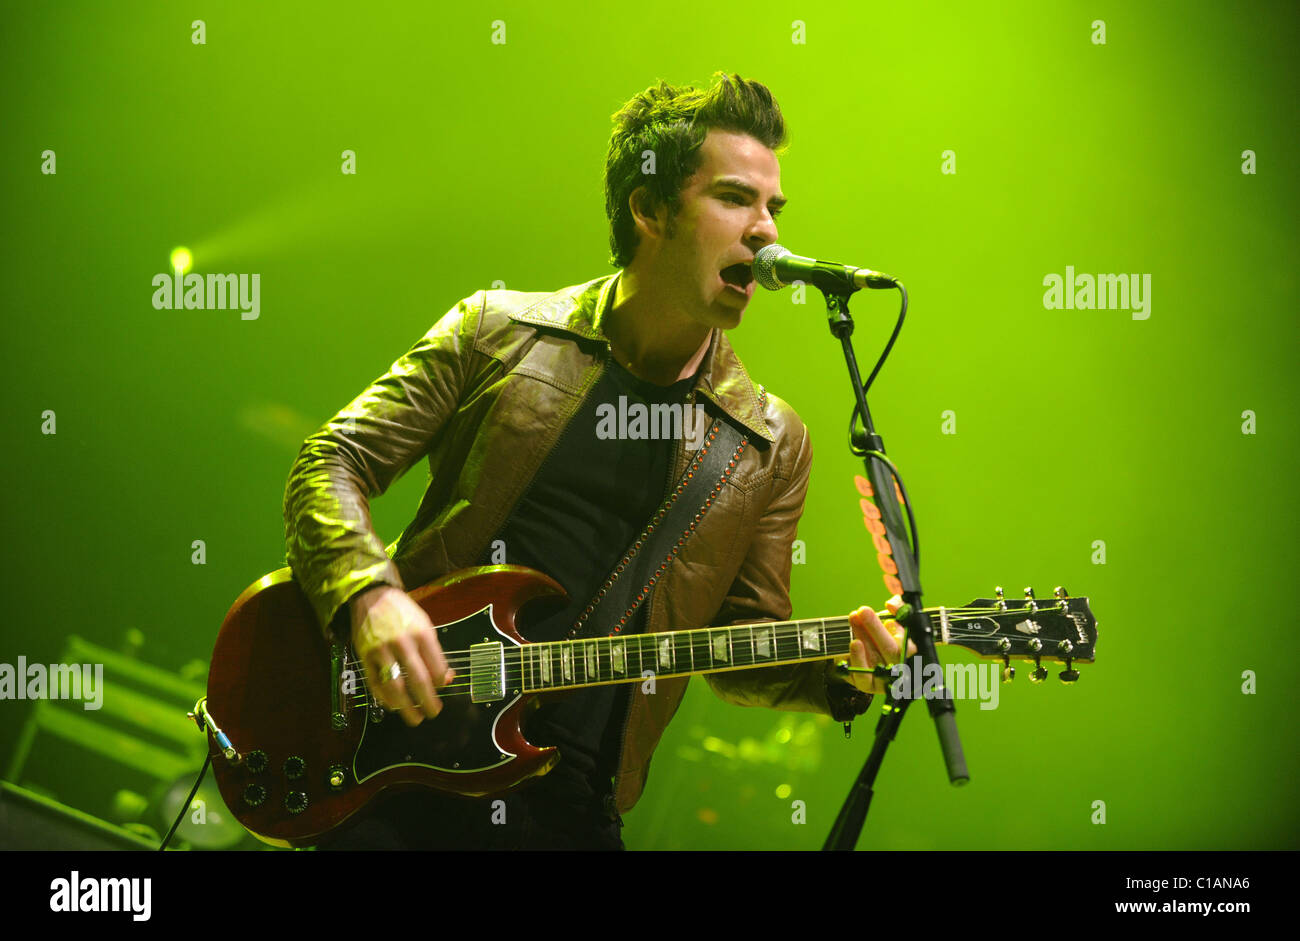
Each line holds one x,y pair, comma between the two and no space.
580,310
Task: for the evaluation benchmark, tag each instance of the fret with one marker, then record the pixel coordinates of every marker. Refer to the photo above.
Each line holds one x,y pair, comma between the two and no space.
834,635
736,645
604,648
647,654
738,651
526,666
700,649
785,642
751,643
636,642
682,647
634,654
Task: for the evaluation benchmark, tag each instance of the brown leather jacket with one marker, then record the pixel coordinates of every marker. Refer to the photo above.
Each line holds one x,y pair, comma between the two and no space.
485,396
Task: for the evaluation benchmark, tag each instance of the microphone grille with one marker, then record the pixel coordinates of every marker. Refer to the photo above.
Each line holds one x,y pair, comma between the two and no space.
765,265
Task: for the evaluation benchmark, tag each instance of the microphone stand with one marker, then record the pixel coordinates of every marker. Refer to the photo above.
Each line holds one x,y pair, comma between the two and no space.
845,832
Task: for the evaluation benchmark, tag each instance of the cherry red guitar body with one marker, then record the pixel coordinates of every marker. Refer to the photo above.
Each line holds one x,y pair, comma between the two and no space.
312,749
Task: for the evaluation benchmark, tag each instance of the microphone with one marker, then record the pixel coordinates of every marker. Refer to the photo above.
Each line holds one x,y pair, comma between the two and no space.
776,267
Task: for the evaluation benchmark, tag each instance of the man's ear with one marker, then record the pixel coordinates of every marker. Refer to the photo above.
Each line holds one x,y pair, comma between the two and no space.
649,219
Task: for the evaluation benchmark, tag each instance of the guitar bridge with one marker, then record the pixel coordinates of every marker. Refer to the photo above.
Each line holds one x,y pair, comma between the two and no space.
487,672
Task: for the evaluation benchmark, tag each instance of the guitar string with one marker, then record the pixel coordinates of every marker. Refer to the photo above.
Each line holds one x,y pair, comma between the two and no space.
514,656
782,631
516,670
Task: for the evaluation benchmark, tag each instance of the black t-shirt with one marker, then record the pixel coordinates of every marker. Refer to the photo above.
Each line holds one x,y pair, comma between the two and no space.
592,496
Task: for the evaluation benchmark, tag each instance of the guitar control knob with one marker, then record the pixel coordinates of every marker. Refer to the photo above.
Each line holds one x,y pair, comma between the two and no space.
254,795
256,761
295,802
294,767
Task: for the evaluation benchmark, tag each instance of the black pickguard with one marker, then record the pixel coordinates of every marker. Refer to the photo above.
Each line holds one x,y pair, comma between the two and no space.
460,738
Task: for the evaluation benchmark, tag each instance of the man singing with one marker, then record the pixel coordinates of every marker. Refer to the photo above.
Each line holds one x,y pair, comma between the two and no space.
505,396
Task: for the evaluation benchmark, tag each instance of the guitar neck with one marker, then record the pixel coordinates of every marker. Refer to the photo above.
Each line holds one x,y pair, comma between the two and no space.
1062,629
600,661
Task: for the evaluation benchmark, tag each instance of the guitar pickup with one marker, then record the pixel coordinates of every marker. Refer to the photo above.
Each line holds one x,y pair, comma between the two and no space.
487,672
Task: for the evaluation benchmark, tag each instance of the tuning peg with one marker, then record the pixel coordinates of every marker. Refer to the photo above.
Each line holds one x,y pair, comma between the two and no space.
1069,675
1060,593
1008,671
1002,604
1030,603
1040,672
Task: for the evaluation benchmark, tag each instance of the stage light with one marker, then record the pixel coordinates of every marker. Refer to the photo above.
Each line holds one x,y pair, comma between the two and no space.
181,259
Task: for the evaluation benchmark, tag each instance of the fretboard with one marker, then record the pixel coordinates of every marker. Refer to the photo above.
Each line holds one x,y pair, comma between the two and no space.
599,661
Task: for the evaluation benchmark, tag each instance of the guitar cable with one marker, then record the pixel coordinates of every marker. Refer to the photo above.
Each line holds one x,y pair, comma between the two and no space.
207,760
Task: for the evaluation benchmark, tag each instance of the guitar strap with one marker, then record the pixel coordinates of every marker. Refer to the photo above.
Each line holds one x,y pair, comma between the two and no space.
673,523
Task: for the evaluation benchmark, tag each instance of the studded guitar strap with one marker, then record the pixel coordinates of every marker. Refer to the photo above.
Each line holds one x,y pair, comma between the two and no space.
673,523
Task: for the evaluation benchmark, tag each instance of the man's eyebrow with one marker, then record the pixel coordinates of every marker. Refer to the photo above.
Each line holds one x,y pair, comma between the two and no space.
738,184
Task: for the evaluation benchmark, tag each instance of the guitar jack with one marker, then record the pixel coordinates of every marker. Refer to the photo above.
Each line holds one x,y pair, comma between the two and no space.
203,719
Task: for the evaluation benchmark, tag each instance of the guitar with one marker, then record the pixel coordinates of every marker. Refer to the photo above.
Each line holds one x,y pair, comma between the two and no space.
299,746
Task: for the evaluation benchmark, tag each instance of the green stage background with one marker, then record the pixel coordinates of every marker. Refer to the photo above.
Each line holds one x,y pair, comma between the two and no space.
480,162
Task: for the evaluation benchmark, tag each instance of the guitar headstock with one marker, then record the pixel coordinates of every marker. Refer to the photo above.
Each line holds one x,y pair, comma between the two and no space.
1060,628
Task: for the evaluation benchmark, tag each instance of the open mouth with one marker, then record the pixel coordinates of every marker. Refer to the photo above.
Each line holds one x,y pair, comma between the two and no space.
739,276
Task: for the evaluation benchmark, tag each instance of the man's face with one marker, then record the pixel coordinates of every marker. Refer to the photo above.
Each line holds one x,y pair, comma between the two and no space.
727,213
